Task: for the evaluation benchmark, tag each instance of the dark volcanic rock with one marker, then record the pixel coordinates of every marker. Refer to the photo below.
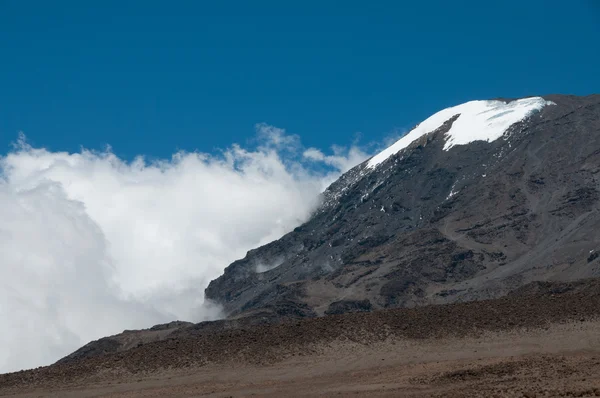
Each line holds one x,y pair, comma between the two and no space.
344,306
434,226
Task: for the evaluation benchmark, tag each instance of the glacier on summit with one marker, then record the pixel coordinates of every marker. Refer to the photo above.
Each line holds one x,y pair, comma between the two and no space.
477,121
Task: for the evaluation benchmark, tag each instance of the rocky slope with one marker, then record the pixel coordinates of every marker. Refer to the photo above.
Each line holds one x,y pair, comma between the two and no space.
438,218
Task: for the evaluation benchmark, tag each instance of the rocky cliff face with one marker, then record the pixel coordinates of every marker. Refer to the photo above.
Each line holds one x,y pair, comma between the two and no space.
440,220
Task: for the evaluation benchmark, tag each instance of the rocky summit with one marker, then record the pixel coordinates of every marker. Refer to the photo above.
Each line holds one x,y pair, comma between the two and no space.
476,201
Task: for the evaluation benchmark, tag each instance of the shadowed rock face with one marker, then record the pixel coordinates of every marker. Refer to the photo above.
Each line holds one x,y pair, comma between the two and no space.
435,226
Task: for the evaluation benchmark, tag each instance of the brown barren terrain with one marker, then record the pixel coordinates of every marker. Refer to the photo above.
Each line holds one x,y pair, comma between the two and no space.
543,340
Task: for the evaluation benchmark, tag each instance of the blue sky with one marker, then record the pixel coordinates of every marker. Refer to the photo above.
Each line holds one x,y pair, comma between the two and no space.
151,77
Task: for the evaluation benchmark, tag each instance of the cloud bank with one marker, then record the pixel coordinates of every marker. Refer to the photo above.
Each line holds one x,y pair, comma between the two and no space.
91,244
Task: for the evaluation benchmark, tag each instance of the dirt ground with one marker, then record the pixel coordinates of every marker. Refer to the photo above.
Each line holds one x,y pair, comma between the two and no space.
543,340
558,360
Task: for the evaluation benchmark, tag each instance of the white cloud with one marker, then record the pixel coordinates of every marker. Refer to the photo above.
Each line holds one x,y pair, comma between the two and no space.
91,244
343,159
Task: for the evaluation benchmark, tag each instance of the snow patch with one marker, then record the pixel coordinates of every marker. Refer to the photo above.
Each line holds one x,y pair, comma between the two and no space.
478,121
451,194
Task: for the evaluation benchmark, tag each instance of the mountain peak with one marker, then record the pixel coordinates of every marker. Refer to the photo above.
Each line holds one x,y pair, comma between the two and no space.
477,121
432,225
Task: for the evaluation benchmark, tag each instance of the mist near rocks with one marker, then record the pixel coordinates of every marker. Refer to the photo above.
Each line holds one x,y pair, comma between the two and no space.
91,244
